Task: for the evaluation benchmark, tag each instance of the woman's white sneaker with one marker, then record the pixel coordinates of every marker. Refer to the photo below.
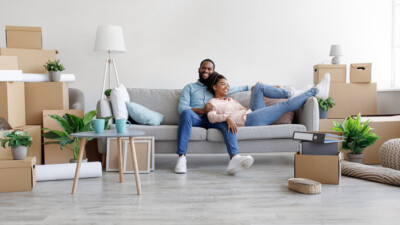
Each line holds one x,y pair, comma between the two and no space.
180,166
239,163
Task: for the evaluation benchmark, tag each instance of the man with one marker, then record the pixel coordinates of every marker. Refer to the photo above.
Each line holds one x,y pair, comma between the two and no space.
193,110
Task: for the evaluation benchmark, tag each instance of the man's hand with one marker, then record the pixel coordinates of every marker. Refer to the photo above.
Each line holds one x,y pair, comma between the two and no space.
231,125
202,111
208,107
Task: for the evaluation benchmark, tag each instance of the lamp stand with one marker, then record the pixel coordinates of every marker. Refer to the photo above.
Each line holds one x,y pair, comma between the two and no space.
336,60
107,70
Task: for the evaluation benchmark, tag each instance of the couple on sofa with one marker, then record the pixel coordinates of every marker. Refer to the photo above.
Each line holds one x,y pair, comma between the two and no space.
204,104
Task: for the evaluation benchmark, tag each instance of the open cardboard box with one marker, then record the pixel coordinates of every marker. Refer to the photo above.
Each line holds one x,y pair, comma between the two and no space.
322,168
17,175
30,60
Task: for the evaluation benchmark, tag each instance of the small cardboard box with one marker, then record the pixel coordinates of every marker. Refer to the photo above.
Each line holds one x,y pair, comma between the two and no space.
30,60
352,99
12,103
8,63
52,153
322,168
41,96
34,150
360,73
337,73
17,175
24,37
386,127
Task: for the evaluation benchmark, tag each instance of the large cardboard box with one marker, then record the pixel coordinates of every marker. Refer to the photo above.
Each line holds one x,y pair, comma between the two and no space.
24,37
35,149
41,96
360,73
30,60
352,99
12,103
17,175
386,127
322,168
52,153
337,73
8,63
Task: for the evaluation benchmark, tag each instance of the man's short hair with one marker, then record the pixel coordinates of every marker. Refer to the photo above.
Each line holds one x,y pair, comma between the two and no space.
208,60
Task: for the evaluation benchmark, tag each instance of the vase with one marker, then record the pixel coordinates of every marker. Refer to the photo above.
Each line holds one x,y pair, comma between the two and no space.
55,76
76,161
357,158
19,153
323,114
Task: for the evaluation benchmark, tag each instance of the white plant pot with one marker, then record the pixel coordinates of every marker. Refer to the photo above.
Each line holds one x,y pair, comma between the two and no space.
19,153
55,76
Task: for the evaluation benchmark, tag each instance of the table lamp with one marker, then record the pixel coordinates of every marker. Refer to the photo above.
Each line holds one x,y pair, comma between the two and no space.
109,39
336,51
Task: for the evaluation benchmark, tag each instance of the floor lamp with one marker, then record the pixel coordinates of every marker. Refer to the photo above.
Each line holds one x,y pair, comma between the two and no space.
109,39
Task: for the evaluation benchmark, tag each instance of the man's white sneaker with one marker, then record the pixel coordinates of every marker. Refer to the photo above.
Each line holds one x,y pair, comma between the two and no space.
239,163
180,166
323,87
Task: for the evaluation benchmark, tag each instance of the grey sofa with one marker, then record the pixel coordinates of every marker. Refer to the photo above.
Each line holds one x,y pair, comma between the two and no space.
273,138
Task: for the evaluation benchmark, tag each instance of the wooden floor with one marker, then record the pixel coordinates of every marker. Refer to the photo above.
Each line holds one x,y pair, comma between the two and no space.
205,195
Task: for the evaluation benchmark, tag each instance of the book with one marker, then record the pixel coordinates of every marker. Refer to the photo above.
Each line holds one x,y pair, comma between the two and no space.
317,137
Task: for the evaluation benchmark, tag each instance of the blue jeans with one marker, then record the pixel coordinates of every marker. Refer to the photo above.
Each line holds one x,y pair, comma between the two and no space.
189,119
261,115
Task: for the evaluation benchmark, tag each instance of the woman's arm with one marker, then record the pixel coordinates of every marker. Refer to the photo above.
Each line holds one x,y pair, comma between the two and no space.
214,117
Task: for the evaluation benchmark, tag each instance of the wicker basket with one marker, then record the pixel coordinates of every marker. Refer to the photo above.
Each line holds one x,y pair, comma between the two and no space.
304,186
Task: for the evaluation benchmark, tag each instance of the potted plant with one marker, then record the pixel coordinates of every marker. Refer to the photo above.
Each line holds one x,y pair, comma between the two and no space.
71,124
357,137
324,106
107,93
54,68
18,141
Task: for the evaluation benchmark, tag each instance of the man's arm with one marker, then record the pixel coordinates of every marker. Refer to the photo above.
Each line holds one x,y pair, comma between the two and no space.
239,89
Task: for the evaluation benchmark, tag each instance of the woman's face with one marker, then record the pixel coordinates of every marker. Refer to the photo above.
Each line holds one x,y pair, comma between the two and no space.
221,88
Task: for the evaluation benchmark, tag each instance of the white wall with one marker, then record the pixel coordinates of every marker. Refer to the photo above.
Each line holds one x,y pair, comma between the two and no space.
275,41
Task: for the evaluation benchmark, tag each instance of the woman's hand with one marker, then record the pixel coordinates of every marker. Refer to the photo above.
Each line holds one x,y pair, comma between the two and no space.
231,125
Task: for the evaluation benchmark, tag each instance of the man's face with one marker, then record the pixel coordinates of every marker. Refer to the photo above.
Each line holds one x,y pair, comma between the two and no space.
206,69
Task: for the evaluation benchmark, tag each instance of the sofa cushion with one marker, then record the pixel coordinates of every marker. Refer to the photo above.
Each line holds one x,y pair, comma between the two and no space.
170,132
164,101
143,115
118,97
259,132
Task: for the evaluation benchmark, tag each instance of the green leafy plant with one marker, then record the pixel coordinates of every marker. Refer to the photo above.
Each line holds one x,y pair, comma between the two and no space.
326,104
54,65
107,92
16,139
72,124
357,136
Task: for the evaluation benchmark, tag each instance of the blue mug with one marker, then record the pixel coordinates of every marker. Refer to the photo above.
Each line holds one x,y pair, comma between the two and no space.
120,125
98,125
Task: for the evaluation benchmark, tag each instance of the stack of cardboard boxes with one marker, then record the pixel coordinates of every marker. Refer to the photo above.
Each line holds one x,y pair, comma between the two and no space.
22,103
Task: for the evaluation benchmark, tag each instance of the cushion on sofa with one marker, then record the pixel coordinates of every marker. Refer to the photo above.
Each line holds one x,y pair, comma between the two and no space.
286,118
118,97
164,101
259,132
143,115
170,132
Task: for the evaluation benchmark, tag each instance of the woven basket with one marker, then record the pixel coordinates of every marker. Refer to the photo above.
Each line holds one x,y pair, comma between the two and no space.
389,154
304,186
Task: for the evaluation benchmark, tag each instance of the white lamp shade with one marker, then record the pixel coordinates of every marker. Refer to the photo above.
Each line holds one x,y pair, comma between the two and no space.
109,38
336,50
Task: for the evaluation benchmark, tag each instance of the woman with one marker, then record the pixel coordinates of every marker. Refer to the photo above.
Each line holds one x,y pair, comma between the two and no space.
231,111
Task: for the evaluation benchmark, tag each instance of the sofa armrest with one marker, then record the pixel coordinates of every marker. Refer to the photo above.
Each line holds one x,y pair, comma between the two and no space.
103,110
308,114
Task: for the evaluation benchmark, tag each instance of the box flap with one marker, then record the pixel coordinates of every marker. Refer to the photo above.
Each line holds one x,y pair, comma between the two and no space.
361,64
19,28
29,161
330,66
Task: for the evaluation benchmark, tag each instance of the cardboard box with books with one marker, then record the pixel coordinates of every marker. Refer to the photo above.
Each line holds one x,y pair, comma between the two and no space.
17,175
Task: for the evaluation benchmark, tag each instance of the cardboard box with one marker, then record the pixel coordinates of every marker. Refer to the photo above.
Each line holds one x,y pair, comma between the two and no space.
52,153
337,72
12,103
17,175
360,73
352,99
41,96
322,168
30,60
144,152
8,63
24,37
34,150
386,127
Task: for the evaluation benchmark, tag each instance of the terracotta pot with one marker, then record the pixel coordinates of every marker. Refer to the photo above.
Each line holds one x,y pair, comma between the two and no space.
357,158
19,153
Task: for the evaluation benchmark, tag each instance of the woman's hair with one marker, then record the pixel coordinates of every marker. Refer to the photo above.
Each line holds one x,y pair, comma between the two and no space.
213,80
